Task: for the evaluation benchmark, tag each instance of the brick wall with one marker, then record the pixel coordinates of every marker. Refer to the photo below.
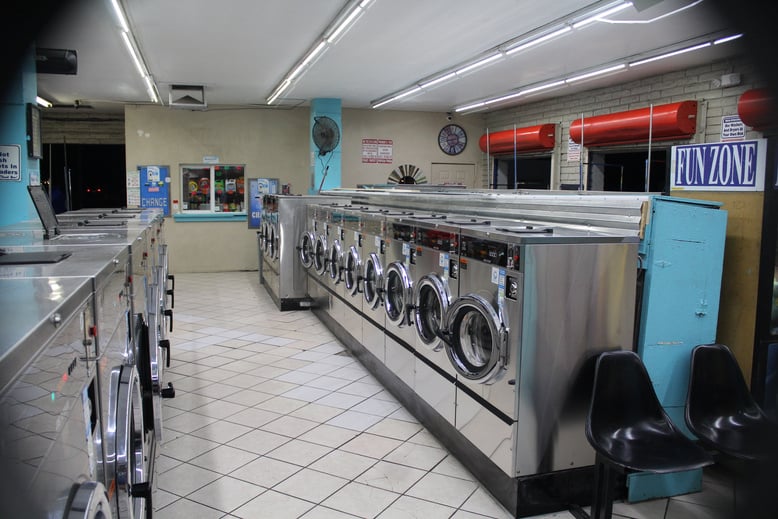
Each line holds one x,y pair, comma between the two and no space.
695,84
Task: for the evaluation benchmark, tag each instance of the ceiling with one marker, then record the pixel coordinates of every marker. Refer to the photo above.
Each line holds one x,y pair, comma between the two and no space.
239,50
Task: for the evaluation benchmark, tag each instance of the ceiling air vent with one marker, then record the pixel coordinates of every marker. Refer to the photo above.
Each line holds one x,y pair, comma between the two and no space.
187,97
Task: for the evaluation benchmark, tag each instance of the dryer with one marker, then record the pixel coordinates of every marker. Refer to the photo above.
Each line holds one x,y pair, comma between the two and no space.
434,269
519,338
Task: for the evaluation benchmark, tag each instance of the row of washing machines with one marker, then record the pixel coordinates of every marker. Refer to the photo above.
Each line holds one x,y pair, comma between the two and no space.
485,329
83,346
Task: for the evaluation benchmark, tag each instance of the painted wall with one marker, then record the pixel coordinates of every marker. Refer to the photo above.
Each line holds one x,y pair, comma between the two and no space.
271,143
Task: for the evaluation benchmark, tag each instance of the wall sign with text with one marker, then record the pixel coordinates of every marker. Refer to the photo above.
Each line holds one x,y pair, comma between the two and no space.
720,166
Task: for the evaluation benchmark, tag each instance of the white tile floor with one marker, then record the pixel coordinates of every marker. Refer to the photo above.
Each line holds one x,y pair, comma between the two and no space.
274,419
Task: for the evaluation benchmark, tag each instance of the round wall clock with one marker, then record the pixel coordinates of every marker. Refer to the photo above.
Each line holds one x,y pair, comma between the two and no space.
452,139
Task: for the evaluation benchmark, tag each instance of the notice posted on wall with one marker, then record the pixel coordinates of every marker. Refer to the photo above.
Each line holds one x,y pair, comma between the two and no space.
573,151
133,188
732,128
10,162
377,151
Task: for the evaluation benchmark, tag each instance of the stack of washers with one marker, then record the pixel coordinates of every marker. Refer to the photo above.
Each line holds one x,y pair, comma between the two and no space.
83,351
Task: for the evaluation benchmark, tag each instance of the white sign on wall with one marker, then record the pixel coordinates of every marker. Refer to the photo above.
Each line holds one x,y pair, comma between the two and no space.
732,128
377,151
573,150
10,162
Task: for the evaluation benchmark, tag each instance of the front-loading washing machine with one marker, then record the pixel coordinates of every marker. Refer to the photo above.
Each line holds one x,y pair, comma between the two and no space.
434,269
398,296
351,239
535,304
372,221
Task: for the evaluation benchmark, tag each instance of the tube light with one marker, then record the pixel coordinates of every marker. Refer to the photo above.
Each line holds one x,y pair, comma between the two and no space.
120,15
479,63
407,93
384,102
344,24
598,16
42,102
150,89
470,107
670,54
504,98
600,72
439,80
543,87
364,3
283,86
133,54
727,38
315,52
536,41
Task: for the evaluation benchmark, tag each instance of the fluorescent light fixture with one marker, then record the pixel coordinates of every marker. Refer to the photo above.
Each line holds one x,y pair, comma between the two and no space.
670,54
120,15
603,14
344,24
283,86
587,75
543,87
470,107
536,41
150,89
441,79
134,54
384,102
364,3
479,63
42,102
315,52
727,38
504,98
408,92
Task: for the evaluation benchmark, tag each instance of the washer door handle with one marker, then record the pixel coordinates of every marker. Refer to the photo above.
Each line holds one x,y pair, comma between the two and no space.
143,490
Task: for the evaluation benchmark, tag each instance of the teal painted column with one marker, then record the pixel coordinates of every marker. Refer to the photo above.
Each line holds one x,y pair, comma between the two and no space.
329,162
22,88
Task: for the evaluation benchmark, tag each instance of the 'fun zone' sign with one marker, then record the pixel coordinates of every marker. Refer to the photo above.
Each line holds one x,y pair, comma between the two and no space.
720,166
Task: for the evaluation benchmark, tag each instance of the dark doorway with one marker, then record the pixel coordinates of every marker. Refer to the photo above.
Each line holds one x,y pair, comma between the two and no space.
97,177
626,171
522,173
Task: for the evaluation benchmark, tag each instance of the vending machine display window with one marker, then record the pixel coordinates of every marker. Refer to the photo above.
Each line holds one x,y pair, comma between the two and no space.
217,188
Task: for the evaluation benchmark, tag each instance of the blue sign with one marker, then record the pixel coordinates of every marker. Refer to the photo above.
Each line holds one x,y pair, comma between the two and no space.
155,187
720,166
257,188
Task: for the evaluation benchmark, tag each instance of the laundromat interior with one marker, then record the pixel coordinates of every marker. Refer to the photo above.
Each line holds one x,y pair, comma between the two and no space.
389,259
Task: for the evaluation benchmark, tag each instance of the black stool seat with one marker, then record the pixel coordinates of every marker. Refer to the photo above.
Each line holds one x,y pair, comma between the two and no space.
629,430
721,411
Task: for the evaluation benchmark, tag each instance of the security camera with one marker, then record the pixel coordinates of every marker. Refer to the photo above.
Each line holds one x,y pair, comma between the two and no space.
448,116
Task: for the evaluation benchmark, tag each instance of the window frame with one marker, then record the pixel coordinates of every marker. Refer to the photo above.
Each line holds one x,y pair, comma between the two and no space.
212,204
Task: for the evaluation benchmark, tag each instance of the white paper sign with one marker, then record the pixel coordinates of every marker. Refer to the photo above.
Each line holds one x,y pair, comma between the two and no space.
10,162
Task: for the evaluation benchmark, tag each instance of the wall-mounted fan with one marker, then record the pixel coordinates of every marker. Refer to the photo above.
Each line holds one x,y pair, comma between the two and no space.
406,174
326,137
326,134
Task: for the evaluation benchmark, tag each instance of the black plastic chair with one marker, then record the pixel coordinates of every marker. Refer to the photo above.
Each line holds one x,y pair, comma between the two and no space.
721,412
629,430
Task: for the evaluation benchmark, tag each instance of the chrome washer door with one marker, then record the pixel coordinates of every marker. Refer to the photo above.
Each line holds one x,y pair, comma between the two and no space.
398,294
272,247
320,252
265,236
307,244
431,300
477,340
352,270
334,265
373,280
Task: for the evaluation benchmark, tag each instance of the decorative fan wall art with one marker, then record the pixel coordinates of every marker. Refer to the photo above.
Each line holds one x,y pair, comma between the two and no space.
406,174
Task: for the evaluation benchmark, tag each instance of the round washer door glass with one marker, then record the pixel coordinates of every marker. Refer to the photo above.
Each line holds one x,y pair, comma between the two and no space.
271,248
373,280
320,255
431,303
334,264
352,269
397,293
476,338
306,249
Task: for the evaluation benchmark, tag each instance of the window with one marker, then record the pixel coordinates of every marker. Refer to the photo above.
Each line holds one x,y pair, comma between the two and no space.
213,188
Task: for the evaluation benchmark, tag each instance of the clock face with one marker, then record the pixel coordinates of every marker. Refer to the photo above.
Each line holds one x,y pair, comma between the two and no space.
452,139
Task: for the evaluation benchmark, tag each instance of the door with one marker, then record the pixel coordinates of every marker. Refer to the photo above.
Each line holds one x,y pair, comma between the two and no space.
398,294
373,280
476,339
431,303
